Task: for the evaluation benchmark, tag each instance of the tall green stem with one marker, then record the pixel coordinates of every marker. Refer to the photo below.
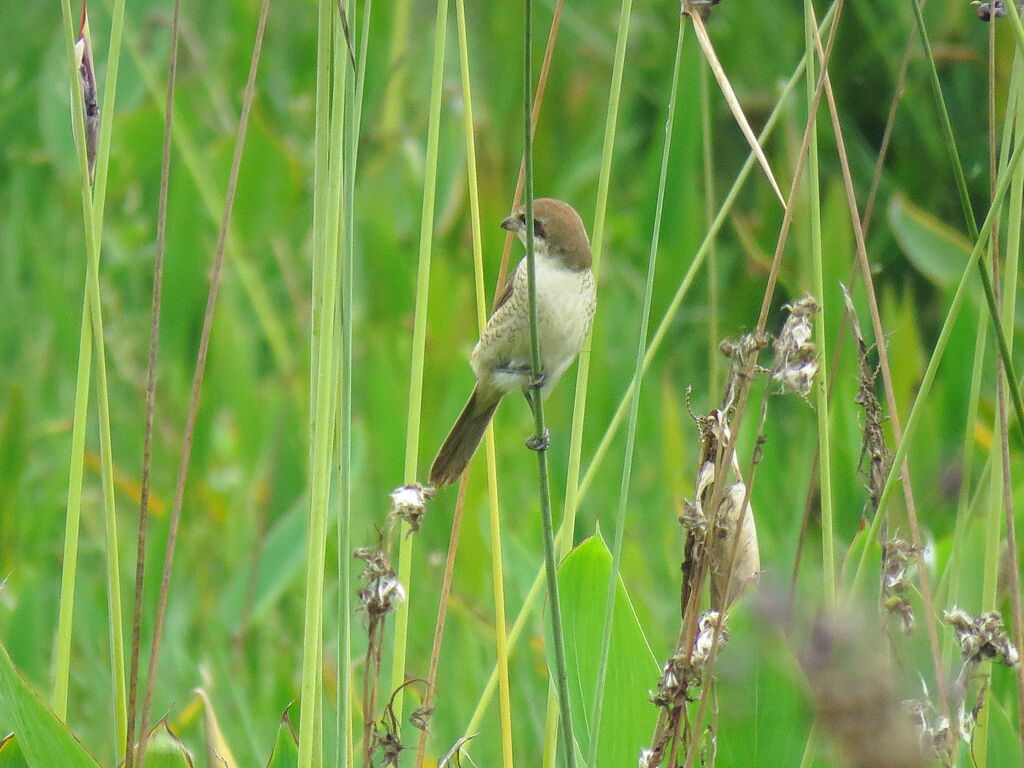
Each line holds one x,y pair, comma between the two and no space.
419,338
634,406
92,208
325,306
821,380
550,563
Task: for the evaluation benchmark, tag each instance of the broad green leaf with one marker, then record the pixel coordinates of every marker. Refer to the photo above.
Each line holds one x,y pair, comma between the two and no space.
165,750
936,250
44,740
279,565
286,747
11,755
628,717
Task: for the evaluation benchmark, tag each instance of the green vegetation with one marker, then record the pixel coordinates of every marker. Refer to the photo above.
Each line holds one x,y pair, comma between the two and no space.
363,245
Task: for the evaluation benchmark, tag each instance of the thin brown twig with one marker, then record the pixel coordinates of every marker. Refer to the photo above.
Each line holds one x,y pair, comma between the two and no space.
698,722
442,612
883,360
197,380
542,84
726,452
844,325
883,150
147,438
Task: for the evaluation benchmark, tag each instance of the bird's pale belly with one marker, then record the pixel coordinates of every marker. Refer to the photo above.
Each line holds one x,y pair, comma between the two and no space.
565,309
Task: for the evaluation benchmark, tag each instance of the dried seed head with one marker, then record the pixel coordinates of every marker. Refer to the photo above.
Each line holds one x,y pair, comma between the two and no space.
731,577
420,717
90,101
935,735
382,591
982,638
409,503
711,631
796,359
897,557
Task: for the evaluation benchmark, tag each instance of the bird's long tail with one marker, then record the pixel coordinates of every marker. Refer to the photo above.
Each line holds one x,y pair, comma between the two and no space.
462,441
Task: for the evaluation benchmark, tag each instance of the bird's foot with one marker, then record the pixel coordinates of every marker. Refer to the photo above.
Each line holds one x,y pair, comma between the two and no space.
536,382
539,442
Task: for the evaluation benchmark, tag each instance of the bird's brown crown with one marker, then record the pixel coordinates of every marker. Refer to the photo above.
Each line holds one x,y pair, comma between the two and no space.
562,231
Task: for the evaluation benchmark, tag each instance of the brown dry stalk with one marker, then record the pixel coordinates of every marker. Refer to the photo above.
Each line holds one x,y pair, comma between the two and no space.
542,84
837,348
442,613
147,438
883,359
689,629
197,380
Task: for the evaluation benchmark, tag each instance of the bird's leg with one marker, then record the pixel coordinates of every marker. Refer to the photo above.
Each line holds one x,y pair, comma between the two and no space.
532,393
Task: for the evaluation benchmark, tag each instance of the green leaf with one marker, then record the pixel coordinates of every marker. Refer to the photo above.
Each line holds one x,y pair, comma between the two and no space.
279,566
286,748
628,717
11,755
936,250
165,750
44,740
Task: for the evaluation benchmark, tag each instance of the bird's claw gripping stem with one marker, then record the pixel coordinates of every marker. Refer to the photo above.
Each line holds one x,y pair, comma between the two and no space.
539,442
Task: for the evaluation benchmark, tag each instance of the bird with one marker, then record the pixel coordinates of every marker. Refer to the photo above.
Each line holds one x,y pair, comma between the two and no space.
502,358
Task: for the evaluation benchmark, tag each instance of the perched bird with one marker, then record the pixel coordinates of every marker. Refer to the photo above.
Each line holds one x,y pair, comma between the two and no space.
501,360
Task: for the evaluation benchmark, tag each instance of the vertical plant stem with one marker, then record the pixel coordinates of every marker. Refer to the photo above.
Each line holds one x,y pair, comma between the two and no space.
634,406
550,564
442,614
95,322
708,154
197,379
147,439
821,379
419,337
325,404
355,81
965,201
904,470
542,82
497,570
579,488
1010,272
924,388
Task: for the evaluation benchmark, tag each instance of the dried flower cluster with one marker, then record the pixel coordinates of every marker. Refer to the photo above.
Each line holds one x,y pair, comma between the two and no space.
796,359
935,733
409,503
873,448
681,674
982,638
897,557
90,100
382,591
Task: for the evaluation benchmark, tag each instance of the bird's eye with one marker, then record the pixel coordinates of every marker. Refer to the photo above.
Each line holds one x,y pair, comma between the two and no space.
522,217
538,228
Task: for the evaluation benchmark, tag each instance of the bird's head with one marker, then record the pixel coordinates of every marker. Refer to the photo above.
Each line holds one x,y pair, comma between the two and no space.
557,229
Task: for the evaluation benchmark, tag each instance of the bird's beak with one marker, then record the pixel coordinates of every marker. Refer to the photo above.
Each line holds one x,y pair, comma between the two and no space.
511,223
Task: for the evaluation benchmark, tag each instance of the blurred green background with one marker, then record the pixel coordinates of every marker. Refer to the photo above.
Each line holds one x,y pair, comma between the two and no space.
246,497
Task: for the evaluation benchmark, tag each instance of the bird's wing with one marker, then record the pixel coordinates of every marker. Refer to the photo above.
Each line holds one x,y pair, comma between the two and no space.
506,291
